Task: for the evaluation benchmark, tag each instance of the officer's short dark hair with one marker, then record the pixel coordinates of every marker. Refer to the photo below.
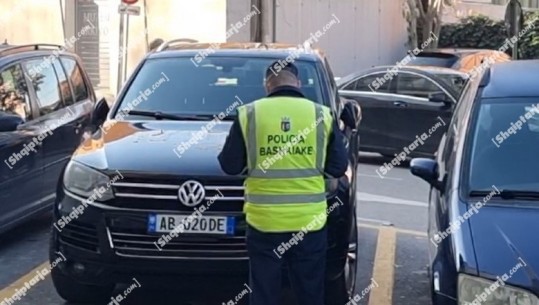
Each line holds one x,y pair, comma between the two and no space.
281,65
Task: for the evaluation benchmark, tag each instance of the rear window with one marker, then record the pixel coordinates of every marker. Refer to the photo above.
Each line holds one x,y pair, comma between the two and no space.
434,59
179,86
505,145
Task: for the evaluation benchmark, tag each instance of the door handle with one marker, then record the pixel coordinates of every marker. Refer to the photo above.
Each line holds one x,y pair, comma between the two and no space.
78,127
400,104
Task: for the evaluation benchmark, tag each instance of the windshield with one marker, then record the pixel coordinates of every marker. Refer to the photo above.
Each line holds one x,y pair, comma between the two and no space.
505,145
207,87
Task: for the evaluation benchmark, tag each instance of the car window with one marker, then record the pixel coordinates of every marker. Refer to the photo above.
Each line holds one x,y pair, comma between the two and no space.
330,75
415,85
75,75
178,86
434,59
504,146
14,98
373,82
65,85
333,84
46,86
454,81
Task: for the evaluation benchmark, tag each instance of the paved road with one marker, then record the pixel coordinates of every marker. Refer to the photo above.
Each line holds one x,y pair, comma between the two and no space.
393,257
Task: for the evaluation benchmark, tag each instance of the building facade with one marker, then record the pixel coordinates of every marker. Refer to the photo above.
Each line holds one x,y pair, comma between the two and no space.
355,34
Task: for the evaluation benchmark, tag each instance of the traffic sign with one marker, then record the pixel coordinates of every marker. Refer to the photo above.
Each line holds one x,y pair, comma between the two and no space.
129,10
514,17
129,2
514,22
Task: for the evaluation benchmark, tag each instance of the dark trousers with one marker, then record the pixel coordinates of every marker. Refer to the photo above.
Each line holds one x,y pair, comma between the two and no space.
306,262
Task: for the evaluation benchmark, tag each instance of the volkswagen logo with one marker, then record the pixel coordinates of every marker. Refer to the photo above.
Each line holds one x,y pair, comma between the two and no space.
191,193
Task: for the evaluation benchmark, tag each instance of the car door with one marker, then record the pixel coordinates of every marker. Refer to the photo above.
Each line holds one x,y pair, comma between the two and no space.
53,117
374,128
21,171
79,99
415,122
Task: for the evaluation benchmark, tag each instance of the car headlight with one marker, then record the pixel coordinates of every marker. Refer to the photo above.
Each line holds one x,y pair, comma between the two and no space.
474,290
86,182
332,186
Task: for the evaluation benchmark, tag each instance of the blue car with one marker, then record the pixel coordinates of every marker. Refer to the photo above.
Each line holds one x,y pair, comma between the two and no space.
46,105
484,198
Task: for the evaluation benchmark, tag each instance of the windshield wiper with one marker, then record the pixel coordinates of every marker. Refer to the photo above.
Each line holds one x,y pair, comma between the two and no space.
507,194
169,116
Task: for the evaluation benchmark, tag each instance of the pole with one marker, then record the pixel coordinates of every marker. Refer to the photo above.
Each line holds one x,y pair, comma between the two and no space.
274,21
516,16
266,21
126,49
120,54
63,20
146,26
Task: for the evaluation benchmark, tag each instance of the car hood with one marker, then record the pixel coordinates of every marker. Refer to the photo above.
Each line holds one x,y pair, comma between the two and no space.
505,236
152,147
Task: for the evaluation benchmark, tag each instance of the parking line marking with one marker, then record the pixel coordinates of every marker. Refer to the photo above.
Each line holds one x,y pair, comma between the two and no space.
378,177
12,288
384,267
399,230
362,196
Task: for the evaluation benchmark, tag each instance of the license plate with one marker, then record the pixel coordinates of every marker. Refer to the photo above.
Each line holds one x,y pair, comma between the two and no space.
160,223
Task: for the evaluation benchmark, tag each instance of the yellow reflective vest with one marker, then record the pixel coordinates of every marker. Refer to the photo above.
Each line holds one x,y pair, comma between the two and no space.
286,140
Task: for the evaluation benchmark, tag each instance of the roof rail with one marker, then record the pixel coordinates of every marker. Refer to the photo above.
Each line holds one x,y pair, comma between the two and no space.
22,48
170,43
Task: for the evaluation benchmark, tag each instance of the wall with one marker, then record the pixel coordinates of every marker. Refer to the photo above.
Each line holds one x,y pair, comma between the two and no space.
368,32
33,21
18,21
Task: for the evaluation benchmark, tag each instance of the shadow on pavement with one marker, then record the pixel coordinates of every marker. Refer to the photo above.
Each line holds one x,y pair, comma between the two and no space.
26,230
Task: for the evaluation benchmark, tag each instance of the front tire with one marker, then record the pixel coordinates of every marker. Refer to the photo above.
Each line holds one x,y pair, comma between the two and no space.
76,292
340,290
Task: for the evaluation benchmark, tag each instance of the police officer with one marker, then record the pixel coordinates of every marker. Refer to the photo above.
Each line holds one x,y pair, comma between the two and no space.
286,144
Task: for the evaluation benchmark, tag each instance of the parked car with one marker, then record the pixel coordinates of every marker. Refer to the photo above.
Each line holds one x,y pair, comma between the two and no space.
464,60
399,106
484,195
46,100
116,237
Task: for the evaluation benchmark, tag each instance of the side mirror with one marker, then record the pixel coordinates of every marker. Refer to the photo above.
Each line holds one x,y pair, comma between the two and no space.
440,97
9,122
99,115
426,169
351,114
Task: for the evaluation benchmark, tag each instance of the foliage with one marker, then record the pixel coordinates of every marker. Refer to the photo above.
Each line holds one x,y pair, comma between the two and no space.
484,33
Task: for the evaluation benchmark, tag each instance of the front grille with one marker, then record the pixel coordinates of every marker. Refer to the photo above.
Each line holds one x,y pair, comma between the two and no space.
162,195
80,235
129,238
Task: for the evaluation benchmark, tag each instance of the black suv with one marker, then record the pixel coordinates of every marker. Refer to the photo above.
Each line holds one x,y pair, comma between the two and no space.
46,100
154,160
